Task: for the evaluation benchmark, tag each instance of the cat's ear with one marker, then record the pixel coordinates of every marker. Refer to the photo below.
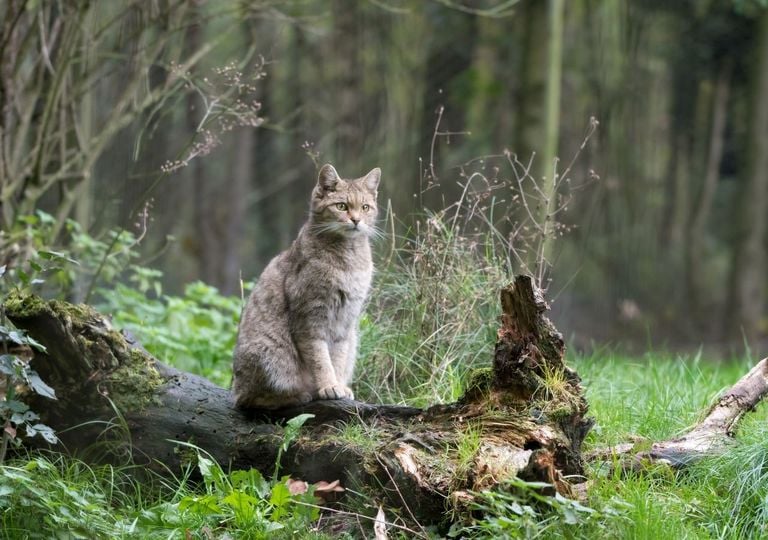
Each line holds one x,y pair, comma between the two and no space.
327,178
371,180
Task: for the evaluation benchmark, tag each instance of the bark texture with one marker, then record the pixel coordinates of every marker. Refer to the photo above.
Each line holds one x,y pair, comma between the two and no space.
525,415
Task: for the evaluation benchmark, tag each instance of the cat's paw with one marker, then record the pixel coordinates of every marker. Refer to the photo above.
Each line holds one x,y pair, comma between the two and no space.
335,391
303,397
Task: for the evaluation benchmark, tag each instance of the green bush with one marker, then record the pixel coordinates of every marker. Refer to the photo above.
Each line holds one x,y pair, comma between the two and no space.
194,332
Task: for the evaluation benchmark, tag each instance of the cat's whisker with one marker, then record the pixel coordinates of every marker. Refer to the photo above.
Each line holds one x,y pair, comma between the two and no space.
376,232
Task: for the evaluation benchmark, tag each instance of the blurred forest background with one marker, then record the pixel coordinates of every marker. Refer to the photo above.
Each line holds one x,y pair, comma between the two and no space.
205,122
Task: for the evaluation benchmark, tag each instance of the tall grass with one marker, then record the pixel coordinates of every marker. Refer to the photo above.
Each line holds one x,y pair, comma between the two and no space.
433,314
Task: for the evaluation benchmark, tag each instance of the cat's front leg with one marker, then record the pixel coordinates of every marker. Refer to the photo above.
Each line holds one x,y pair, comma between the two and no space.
316,354
343,359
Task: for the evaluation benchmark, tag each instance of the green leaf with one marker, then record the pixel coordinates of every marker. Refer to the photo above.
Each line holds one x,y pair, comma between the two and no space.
280,498
241,502
203,505
37,384
56,256
251,479
292,428
44,217
212,473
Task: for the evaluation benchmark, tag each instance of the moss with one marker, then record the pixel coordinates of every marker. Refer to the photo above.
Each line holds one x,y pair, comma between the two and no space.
561,412
134,384
479,382
23,305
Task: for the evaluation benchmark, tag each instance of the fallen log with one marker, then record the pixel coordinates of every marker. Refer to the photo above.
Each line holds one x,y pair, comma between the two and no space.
524,416
713,435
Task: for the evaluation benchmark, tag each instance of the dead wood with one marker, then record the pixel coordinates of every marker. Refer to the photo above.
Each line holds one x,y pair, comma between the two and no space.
526,413
711,436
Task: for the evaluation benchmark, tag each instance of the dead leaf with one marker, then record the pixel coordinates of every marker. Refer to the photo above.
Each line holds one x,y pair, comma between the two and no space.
10,430
380,525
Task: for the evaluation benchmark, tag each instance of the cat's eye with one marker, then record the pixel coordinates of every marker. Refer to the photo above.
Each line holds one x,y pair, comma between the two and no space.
341,206
366,207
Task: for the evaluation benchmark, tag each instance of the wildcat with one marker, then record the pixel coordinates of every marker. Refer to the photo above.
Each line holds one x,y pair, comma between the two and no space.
297,339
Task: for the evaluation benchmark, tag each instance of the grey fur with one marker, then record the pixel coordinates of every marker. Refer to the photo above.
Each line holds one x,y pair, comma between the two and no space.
297,339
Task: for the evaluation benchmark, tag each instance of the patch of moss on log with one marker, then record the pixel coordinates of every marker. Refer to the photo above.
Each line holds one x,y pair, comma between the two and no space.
22,305
479,383
134,384
126,375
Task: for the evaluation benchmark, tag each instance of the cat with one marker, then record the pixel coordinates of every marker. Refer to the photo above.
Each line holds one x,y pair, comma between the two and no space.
297,339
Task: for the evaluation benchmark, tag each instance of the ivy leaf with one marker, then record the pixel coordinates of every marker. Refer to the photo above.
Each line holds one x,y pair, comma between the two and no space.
24,417
37,384
47,433
35,344
8,364
16,406
20,339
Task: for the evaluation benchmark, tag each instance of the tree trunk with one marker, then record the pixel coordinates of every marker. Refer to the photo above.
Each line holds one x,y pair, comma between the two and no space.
697,228
550,171
523,417
748,271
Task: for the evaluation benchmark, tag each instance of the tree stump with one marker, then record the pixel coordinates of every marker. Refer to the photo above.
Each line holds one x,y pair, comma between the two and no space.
523,417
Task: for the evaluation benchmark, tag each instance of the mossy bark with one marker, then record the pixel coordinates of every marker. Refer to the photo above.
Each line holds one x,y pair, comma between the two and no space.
524,417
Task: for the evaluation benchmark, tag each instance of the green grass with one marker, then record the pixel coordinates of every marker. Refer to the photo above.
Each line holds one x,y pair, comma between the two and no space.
653,397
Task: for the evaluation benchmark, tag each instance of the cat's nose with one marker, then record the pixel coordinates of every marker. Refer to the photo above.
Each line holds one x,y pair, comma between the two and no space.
355,220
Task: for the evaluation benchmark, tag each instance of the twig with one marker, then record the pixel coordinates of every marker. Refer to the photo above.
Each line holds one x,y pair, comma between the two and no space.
358,515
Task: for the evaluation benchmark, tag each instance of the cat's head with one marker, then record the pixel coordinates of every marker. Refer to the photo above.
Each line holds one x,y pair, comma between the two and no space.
345,207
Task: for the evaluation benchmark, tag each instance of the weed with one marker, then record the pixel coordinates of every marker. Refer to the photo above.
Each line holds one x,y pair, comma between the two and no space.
466,449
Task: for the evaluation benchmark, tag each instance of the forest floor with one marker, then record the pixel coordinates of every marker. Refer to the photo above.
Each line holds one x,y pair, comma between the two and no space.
632,399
